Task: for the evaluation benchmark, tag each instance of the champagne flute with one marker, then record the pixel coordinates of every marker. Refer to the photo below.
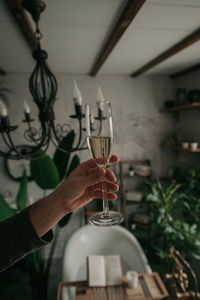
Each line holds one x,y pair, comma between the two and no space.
99,129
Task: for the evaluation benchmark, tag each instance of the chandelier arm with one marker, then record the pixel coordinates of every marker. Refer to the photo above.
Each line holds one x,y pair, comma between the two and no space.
56,141
19,155
29,154
80,135
32,138
43,85
55,137
5,141
10,156
45,136
54,83
73,149
33,78
13,147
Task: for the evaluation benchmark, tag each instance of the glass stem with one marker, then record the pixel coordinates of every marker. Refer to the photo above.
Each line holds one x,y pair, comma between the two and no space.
106,211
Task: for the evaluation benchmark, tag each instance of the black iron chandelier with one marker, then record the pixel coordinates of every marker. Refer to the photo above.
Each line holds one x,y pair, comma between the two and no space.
43,88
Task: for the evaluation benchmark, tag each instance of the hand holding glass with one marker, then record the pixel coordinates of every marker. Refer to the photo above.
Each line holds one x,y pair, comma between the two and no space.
99,129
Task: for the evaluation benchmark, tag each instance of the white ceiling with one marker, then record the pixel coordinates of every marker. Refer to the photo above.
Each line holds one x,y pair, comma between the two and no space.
75,30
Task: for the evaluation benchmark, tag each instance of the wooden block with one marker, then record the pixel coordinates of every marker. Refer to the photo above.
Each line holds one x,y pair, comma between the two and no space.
135,292
152,286
155,286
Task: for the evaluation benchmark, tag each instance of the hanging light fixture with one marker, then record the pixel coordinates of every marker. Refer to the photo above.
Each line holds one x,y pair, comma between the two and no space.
43,88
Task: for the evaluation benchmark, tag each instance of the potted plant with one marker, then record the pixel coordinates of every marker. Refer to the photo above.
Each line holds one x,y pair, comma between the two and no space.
194,145
167,228
185,145
171,139
189,180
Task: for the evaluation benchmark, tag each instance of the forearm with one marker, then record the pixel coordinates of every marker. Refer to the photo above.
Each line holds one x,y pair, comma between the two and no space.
18,238
45,213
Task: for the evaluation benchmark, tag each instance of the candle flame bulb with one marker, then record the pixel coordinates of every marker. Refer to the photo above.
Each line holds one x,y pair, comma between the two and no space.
3,109
100,98
27,109
77,97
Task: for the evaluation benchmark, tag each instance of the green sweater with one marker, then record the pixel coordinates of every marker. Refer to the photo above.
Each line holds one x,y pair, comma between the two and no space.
18,238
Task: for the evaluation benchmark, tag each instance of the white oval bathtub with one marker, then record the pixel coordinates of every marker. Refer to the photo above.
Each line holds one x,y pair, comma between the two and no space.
90,240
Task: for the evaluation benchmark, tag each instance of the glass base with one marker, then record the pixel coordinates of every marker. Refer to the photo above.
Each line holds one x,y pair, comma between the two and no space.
102,219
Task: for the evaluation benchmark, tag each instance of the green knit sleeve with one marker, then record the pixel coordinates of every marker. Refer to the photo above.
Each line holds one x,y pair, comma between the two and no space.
18,238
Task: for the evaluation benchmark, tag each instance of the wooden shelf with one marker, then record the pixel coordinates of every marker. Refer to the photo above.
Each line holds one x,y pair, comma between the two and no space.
187,150
181,107
124,181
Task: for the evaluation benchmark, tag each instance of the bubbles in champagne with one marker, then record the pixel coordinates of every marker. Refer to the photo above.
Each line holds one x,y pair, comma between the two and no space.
100,147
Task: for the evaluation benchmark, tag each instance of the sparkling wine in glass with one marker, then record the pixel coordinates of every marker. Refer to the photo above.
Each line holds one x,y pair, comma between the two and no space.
99,129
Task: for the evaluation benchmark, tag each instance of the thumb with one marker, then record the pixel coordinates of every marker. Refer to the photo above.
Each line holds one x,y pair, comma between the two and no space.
96,177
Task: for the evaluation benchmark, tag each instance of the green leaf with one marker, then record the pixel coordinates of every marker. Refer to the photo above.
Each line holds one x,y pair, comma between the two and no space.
74,163
61,159
5,210
160,252
44,172
195,255
22,193
65,220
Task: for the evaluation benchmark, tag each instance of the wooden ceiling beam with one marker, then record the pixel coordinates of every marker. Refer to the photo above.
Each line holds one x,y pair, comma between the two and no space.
2,72
185,71
22,21
125,19
186,42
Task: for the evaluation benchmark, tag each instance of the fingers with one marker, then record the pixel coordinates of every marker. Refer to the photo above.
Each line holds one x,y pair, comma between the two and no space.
92,163
105,195
113,159
95,193
110,176
104,160
107,186
95,177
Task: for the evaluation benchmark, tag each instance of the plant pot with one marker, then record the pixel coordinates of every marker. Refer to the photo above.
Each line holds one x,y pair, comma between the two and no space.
194,145
185,145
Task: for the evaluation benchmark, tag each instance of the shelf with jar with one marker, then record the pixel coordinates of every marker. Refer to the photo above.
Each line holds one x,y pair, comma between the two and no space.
184,100
175,141
189,148
181,107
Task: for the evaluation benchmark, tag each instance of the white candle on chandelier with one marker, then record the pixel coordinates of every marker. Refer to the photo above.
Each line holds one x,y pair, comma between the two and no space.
77,97
100,98
3,109
92,118
27,109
